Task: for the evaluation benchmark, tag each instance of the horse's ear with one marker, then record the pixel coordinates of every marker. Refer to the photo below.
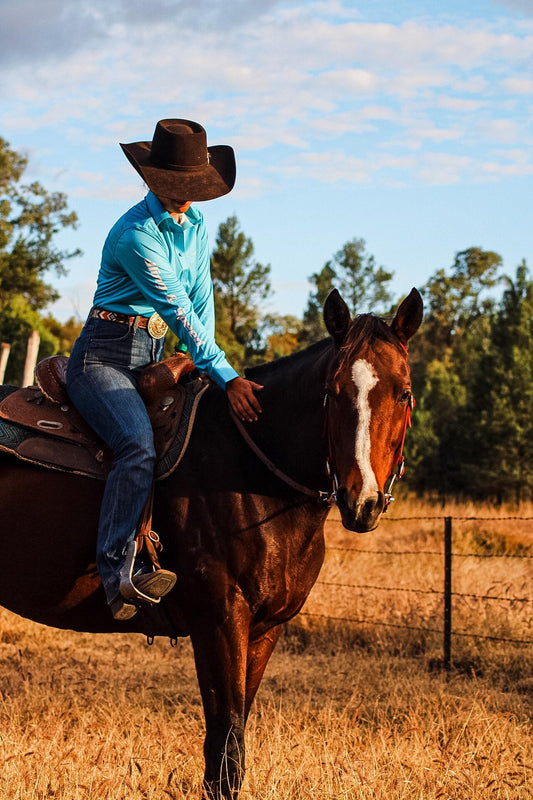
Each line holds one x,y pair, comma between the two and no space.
408,317
336,316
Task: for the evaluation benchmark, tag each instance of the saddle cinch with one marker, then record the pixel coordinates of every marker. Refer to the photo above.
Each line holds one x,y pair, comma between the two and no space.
39,423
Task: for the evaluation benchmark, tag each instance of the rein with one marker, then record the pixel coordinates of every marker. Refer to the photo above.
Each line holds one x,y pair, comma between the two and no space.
317,494
331,497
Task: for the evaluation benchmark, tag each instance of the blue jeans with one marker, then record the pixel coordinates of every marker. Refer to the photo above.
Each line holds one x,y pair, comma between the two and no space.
101,381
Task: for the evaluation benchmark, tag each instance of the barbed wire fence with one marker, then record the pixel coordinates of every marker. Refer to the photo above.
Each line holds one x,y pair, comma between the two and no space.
446,593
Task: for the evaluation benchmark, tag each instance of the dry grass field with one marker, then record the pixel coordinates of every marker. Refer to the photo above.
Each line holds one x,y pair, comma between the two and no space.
346,710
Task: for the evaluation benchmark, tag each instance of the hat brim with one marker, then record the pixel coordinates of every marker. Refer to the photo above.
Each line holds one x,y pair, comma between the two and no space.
215,180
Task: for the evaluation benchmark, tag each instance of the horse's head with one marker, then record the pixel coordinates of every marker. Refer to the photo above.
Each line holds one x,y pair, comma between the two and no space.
369,399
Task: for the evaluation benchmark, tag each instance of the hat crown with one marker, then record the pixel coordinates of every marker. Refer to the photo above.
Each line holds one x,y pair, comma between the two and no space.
179,144
178,164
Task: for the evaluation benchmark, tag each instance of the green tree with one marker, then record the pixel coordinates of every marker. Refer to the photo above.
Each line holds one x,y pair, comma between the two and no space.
240,284
362,284
66,333
281,335
455,300
17,320
444,359
30,219
434,444
314,328
503,438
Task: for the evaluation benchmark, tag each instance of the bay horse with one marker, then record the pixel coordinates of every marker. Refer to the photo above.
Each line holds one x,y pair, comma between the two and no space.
245,538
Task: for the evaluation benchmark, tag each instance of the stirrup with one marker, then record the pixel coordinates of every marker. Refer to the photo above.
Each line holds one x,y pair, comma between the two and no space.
127,590
145,587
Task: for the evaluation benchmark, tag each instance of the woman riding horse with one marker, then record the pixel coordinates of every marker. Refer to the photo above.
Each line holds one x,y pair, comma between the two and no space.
154,274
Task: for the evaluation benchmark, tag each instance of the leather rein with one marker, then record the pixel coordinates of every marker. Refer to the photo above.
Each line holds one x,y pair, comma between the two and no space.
325,496
317,494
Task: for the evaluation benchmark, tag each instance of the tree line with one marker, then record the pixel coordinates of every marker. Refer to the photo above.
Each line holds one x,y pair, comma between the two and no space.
471,361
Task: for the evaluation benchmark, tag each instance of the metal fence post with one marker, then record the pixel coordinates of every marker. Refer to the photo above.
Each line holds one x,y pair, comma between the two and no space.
447,592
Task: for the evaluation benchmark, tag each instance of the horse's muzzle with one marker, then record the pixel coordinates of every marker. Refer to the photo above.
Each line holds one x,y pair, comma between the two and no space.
359,515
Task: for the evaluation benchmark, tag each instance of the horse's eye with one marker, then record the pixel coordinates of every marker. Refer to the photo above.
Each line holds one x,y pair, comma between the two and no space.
406,396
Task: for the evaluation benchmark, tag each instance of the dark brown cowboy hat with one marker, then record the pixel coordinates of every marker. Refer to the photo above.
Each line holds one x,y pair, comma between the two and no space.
179,165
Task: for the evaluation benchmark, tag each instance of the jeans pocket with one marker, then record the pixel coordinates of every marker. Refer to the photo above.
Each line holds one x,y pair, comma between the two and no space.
103,331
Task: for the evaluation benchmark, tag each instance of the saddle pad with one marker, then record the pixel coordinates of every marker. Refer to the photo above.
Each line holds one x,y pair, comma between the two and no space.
6,389
34,429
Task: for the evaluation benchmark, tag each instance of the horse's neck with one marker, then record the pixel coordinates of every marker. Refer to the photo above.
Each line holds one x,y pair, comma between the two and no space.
291,428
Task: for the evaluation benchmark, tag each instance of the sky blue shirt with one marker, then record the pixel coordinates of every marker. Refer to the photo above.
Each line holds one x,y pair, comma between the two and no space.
151,262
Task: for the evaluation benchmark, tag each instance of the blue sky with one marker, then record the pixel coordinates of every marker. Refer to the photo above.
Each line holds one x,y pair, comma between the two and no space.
407,123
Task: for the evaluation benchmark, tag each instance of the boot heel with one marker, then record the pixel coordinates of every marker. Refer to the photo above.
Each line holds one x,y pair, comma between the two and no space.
122,610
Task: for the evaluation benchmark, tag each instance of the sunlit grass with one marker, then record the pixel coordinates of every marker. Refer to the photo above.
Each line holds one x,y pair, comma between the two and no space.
344,711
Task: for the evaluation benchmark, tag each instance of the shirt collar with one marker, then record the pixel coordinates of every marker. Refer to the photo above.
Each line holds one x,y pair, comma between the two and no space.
158,212
155,207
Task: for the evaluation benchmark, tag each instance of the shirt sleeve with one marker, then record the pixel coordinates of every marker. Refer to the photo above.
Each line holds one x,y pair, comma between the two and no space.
145,259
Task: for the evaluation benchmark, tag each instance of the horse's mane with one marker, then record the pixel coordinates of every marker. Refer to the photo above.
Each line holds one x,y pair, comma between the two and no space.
364,330
262,372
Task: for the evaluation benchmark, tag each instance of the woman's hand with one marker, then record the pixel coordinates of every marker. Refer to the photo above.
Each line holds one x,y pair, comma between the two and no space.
242,399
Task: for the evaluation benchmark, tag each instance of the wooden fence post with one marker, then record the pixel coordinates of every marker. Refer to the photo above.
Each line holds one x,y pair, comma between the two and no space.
31,358
4,355
447,592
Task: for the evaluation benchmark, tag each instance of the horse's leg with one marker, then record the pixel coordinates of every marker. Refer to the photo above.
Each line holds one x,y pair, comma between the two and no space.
259,653
220,653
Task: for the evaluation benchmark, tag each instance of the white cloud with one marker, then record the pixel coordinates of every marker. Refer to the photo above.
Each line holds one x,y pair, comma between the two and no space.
500,170
518,85
337,165
501,130
460,104
443,168
299,76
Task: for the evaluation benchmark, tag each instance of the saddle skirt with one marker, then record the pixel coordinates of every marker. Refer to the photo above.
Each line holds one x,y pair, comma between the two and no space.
40,424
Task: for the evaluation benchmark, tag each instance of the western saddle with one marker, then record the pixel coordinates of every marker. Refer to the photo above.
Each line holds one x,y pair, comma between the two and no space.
54,433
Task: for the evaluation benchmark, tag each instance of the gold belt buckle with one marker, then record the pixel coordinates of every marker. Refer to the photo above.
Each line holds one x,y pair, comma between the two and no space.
157,327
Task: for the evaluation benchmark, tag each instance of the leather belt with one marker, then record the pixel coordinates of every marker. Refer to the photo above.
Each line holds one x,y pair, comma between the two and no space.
115,316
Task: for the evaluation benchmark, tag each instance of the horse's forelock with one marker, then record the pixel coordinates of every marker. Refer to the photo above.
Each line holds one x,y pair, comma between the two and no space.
363,332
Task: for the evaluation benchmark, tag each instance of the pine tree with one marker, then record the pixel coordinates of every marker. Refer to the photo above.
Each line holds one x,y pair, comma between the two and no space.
240,285
30,218
363,286
505,380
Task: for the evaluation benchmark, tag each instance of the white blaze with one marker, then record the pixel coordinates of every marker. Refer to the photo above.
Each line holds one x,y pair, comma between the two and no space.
364,378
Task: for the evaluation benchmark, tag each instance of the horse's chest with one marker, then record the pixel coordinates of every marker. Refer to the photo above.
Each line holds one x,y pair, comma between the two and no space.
281,580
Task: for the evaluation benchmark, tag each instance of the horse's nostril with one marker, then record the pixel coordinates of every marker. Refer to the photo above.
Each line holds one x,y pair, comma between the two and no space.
369,506
372,504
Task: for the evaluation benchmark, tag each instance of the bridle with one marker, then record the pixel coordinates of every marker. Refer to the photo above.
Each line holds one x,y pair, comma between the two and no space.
399,459
324,496
398,467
